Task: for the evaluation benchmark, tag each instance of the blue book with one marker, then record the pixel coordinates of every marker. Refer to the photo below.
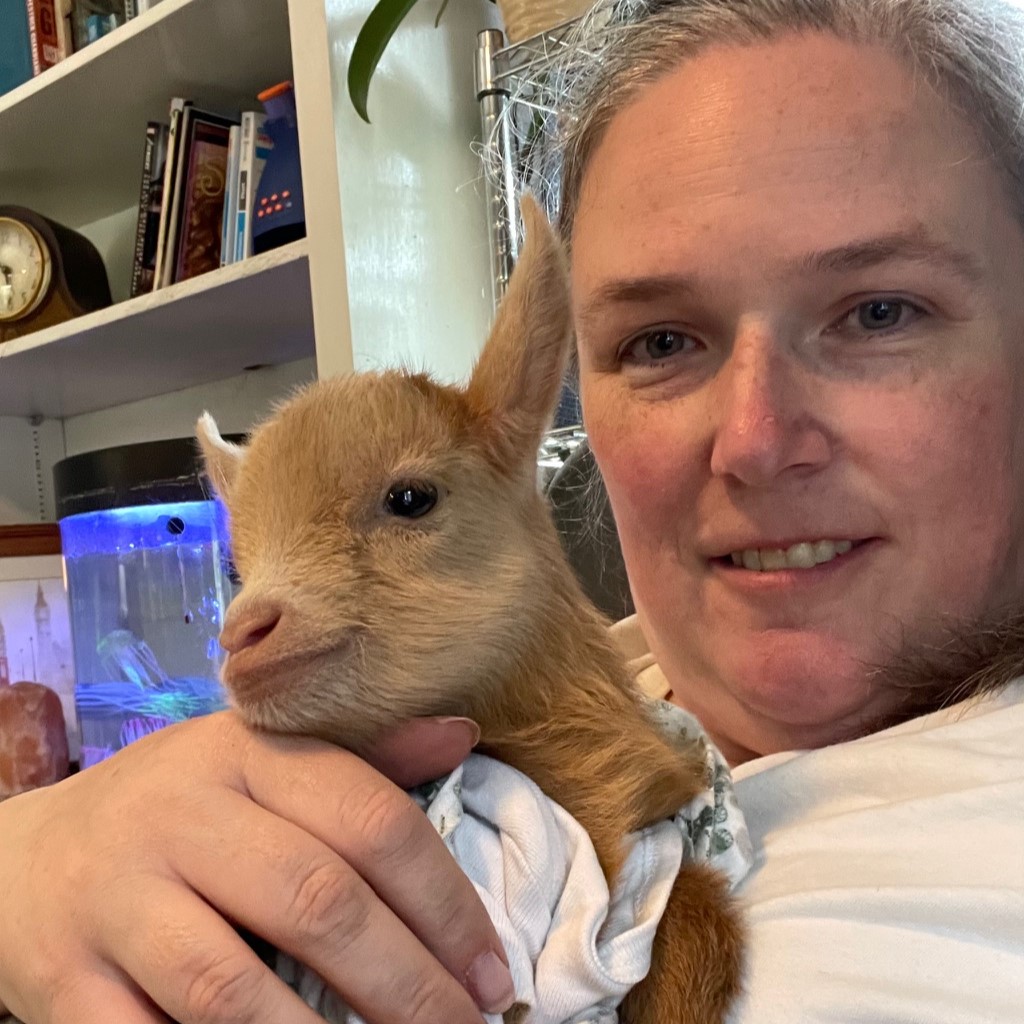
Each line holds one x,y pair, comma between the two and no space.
15,45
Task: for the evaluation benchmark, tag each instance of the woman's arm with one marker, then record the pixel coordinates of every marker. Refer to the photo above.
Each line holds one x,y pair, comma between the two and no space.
118,885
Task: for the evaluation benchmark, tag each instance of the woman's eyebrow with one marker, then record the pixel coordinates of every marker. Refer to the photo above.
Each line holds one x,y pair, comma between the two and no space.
635,290
914,246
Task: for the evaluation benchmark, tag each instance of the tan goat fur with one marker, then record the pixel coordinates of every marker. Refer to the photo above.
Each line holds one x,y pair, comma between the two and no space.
364,618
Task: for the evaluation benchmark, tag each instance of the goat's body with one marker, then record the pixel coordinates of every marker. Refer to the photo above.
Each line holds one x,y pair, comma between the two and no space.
592,747
357,613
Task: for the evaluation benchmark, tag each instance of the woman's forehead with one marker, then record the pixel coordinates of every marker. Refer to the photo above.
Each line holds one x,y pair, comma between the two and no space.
805,138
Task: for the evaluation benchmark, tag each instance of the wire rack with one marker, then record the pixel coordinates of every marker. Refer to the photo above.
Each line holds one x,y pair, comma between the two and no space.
518,118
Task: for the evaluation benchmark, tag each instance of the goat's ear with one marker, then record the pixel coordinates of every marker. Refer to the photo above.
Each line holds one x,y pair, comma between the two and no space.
517,380
221,458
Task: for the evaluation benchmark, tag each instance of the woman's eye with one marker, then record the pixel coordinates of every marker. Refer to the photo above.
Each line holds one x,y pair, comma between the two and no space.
411,500
658,345
880,315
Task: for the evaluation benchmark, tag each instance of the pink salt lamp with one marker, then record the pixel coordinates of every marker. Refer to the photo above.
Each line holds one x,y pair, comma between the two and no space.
33,738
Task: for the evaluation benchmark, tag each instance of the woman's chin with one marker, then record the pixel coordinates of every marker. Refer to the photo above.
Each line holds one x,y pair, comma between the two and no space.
804,681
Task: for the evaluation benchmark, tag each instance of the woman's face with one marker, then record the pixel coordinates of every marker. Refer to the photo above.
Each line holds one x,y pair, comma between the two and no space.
799,295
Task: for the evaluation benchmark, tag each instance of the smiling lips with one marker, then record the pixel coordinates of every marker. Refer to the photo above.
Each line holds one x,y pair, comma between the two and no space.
804,555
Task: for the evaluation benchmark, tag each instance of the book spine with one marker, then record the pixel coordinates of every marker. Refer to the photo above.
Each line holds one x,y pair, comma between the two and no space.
156,205
245,152
33,35
202,210
66,44
42,26
131,10
145,193
175,198
227,234
248,170
177,109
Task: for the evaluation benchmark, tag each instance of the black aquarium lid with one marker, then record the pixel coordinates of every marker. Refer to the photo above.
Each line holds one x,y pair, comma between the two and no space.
133,474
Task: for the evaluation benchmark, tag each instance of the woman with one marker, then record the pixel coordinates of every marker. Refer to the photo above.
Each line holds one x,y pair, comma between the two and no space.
797,251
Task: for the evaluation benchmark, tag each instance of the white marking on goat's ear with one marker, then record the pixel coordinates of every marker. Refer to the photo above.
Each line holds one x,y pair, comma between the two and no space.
518,377
221,458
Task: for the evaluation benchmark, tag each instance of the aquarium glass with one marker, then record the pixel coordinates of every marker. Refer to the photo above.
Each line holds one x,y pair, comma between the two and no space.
147,587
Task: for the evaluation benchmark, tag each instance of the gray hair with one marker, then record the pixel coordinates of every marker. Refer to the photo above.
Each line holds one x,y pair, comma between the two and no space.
970,51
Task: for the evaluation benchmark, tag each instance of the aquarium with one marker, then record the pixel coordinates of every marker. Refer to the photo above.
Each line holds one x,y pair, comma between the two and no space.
148,585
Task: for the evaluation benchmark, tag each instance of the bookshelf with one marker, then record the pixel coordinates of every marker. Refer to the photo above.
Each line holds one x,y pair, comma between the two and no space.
82,123
393,269
168,340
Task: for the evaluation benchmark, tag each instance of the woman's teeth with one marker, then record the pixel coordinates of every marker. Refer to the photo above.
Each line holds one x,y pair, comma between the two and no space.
800,556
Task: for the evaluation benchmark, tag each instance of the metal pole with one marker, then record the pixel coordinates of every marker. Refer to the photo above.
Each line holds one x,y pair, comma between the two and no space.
499,177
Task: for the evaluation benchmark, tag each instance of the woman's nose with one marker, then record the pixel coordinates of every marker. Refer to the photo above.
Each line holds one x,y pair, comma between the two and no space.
766,423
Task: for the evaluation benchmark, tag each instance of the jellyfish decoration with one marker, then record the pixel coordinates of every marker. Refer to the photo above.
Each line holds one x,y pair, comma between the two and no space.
135,728
125,656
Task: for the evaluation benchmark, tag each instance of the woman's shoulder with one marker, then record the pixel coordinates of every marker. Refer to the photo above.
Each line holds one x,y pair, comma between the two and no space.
888,880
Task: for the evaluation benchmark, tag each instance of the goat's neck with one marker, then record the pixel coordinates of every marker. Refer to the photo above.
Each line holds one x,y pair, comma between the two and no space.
573,722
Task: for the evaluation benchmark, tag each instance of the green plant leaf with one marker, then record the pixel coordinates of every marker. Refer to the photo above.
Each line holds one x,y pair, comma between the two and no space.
371,42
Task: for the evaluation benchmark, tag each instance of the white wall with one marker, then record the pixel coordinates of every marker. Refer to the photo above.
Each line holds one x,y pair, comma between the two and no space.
236,403
29,450
412,202
27,453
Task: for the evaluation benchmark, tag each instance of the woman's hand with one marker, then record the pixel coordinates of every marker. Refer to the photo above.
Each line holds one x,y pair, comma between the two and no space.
117,885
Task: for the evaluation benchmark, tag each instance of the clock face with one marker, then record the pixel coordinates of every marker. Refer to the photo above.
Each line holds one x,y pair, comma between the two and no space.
25,269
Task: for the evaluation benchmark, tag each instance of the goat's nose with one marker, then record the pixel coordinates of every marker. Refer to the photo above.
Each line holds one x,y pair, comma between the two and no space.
246,627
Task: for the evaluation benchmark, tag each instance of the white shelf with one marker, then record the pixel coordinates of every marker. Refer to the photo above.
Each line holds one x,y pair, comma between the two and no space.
249,314
71,139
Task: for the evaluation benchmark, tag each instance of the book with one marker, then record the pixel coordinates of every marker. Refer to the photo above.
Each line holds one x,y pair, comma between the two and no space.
176,111
204,174
254,148
230,218
42,28
15,45
93,19
65,34
150,203
173,200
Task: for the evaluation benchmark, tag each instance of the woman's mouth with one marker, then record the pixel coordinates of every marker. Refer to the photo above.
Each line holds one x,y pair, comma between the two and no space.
804,554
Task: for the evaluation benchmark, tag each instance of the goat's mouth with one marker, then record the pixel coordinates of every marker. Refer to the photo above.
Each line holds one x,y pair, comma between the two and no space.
253,676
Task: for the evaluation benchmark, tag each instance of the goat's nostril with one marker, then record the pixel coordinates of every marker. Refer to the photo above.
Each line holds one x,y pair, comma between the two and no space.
261,631
249,630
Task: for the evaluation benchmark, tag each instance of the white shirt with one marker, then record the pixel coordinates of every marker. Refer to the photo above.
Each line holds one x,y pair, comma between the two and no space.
888,882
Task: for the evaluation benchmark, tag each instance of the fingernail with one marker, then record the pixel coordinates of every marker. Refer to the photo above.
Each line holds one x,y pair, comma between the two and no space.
490,984
469,725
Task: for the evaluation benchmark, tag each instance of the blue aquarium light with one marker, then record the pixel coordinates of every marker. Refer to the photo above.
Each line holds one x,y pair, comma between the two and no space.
143,527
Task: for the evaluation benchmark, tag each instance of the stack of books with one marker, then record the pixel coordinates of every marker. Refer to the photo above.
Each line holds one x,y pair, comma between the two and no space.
199,175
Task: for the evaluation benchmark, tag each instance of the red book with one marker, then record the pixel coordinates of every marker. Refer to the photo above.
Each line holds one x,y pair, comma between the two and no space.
42,28
204,164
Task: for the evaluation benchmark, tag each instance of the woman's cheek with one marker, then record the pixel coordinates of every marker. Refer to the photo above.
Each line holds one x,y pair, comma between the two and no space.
646,471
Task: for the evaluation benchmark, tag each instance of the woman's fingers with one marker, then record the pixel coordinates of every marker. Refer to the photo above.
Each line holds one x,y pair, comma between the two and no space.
424,749
315,906
191,962
99,995
387,841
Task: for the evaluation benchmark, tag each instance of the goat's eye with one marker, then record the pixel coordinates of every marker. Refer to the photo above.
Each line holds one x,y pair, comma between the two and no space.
411,500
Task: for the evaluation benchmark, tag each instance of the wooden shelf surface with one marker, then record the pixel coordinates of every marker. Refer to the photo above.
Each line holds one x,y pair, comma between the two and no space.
250,314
